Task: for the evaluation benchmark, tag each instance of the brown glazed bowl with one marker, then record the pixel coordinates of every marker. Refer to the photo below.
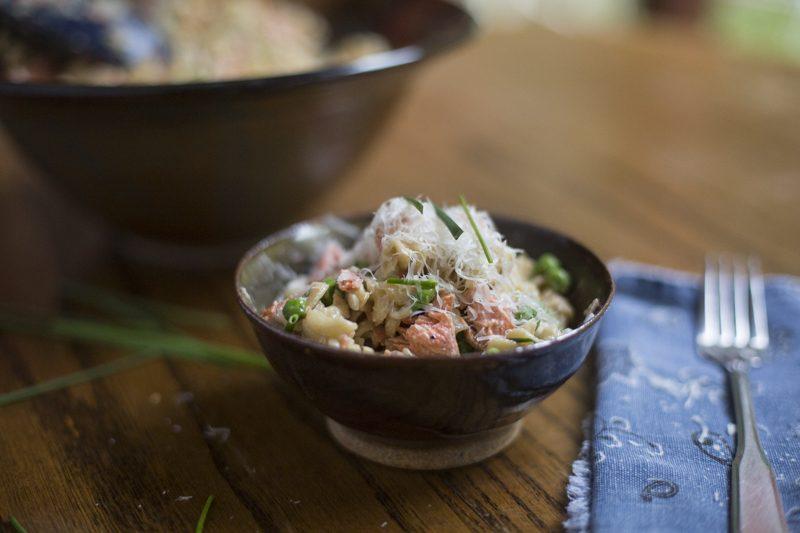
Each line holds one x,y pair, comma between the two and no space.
213,163
425,413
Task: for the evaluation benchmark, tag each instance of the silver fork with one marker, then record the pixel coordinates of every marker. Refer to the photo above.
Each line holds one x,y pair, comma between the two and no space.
735,335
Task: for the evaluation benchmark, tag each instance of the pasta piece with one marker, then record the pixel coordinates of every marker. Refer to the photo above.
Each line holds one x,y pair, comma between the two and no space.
324,324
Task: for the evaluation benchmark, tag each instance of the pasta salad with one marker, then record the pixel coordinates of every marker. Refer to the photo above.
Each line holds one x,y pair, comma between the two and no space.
423,280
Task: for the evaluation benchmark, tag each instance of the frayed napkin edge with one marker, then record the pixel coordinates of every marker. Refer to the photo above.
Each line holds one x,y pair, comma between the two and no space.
579,486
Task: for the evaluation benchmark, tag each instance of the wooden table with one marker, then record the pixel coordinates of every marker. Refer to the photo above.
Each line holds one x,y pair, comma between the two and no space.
649,146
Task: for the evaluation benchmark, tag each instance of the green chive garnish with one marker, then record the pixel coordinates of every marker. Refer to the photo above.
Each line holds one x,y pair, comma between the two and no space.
142,309
521,340
455,229
17,526
423,298
416,203
475,229
201,522
136,338
76,378
423,283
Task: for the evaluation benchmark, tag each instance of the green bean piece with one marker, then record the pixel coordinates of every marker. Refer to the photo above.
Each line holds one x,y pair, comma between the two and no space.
327,298
291,322
293,311
546,263
295,306
492,350
559,279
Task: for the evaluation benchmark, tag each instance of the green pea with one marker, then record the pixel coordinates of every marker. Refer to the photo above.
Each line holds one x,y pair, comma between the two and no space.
525,313
546,263
295,306
327,298
559,279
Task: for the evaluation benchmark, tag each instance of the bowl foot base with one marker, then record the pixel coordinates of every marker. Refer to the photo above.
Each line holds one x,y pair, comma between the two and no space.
424,455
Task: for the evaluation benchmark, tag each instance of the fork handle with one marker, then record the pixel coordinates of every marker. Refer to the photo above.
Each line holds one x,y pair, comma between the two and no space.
755,500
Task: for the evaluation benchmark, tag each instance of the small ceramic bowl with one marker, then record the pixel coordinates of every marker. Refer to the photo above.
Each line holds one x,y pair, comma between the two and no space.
423,413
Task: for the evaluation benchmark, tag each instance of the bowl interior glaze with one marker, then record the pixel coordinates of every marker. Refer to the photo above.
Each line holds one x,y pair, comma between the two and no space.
420,398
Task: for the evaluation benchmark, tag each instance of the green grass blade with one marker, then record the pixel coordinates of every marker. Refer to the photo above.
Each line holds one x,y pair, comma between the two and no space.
138,308
17,526
75,378
133,338
201,522
475,229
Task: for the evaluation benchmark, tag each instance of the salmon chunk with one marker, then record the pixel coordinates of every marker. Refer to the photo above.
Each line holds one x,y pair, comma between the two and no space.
490,319
395,344
271,313
446,301
432,334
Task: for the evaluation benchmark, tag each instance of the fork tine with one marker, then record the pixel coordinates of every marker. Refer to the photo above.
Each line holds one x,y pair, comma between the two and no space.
760,338
741,303
726,325
710,333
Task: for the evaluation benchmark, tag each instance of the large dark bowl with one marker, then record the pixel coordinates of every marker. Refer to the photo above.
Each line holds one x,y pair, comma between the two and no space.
218,162
388,408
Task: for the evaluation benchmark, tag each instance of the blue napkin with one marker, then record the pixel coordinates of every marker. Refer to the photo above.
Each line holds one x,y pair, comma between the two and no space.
660,443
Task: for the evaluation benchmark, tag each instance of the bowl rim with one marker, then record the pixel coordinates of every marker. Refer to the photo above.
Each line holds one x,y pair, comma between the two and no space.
366,65
360,357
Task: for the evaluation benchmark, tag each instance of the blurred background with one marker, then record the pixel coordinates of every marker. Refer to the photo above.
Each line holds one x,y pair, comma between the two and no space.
765,29
599,117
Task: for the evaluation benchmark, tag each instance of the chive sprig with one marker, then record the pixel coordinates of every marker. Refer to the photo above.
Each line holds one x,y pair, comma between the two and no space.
16,525
451,225
201,522
475,229
424,283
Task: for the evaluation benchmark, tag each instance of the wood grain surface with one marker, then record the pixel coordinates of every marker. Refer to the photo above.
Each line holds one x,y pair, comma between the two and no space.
650,146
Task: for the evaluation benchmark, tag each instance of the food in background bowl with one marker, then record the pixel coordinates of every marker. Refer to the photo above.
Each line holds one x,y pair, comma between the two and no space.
203,40
189,172
423,280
